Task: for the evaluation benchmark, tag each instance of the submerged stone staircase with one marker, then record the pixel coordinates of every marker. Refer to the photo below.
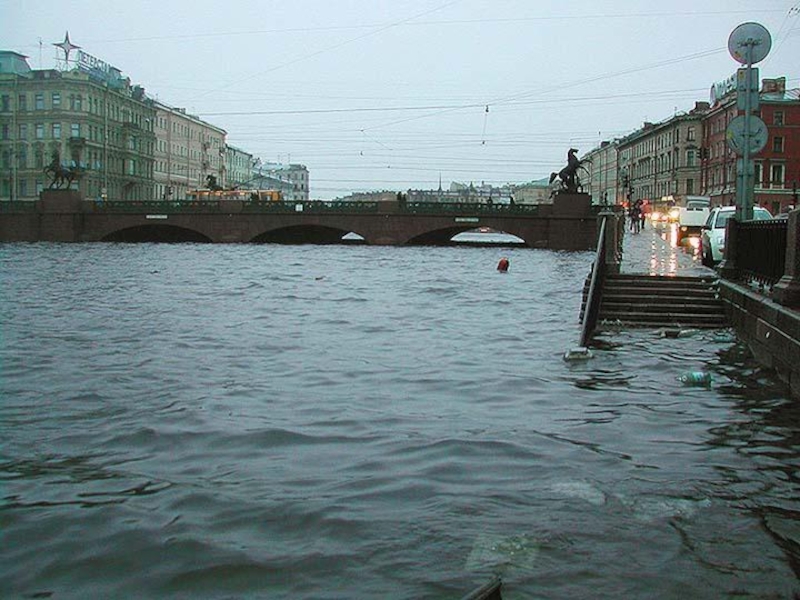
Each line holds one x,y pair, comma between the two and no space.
659,301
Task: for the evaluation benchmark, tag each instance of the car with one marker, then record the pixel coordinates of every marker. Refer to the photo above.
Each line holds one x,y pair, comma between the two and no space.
692,216
712,240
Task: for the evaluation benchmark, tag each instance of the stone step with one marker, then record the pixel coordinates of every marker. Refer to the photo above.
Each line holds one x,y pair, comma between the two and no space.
661,301
686,307
664,319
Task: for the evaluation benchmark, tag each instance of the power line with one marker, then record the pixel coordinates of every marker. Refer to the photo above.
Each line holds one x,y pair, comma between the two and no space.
412,22
336,46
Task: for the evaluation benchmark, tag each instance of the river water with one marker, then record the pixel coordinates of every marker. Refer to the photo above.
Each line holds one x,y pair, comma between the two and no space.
263,421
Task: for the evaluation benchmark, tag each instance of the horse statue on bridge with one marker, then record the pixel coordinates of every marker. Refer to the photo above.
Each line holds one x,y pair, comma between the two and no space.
568,176
59,174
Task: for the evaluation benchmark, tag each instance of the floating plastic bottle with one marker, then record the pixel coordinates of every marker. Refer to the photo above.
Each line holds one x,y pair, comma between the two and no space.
696,378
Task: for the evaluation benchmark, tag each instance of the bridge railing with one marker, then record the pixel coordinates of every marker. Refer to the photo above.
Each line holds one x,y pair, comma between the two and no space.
20,206
428,208
217,206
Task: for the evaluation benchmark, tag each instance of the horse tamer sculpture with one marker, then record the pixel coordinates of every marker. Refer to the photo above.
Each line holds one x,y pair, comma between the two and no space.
60,176
568,176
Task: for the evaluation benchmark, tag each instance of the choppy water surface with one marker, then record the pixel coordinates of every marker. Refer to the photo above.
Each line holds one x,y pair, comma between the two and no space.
196,421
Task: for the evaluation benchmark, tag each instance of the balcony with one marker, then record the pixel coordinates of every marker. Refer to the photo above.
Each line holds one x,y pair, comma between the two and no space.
76,142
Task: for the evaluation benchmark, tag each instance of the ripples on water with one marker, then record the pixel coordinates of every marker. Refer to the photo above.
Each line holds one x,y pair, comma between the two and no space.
191,421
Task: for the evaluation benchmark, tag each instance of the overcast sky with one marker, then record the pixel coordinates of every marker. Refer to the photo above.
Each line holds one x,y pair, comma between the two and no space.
379,94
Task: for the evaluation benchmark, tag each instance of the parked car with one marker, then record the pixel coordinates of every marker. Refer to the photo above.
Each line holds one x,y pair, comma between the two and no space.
692,216
712,240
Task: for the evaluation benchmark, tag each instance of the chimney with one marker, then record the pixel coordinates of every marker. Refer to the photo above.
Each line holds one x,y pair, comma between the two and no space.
701,106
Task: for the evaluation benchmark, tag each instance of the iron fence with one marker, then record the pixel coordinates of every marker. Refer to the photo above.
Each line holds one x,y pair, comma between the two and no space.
761,251
429,208
18,206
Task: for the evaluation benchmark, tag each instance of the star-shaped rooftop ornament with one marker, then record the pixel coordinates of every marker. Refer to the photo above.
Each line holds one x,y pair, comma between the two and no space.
66,46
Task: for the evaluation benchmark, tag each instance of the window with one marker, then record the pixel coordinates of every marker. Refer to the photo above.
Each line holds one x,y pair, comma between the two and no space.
758,176
691,156
56,98
777,117
39,127
23,187
689,186
56,131
22,157
38,101
75,130
23,131
690,134
5,103
777,175
4,132
777,143
22,102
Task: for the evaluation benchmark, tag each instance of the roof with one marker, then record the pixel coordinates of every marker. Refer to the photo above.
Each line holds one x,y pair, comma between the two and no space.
787,96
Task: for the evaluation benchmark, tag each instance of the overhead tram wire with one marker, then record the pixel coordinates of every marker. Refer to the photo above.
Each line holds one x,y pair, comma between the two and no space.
417,23
447,107
333,47
508,99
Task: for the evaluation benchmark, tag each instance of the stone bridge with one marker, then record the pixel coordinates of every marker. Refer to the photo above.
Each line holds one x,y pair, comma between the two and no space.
570,223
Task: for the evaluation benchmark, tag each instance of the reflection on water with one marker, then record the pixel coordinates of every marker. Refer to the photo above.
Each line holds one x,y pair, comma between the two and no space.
271,421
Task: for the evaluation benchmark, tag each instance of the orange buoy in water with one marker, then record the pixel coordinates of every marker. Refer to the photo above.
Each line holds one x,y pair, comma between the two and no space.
502,266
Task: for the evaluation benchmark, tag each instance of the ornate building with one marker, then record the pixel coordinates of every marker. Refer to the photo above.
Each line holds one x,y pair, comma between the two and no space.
777,166
239,167
188,150
89,118
600,178
662,160
295,177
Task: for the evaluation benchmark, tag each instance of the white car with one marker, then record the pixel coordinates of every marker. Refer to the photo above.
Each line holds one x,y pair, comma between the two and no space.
712,240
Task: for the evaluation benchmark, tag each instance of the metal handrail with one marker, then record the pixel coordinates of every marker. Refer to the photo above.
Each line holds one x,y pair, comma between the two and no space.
593,297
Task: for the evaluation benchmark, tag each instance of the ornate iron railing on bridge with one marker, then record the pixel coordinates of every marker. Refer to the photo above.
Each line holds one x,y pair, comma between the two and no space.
315,206
221,206
18,206
761,251
429,208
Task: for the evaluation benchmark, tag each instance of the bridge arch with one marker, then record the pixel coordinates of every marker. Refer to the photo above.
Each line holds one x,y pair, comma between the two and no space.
303,234
444,237
156,233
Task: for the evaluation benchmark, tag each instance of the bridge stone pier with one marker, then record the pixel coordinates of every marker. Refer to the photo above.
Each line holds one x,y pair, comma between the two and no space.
569,223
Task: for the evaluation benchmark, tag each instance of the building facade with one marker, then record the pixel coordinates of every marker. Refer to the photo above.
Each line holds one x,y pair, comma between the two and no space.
238,167
295,175
188,151
661,161
89,118
600,177
777,166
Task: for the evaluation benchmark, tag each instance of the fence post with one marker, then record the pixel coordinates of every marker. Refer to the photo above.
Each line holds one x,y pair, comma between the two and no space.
613,239
787,290
727,268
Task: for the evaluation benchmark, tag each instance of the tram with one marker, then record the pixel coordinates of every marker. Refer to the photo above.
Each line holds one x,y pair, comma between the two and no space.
208,195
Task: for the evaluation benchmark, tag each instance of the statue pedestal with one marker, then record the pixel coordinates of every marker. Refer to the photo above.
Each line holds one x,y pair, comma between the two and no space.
572,205
60,201
60,218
